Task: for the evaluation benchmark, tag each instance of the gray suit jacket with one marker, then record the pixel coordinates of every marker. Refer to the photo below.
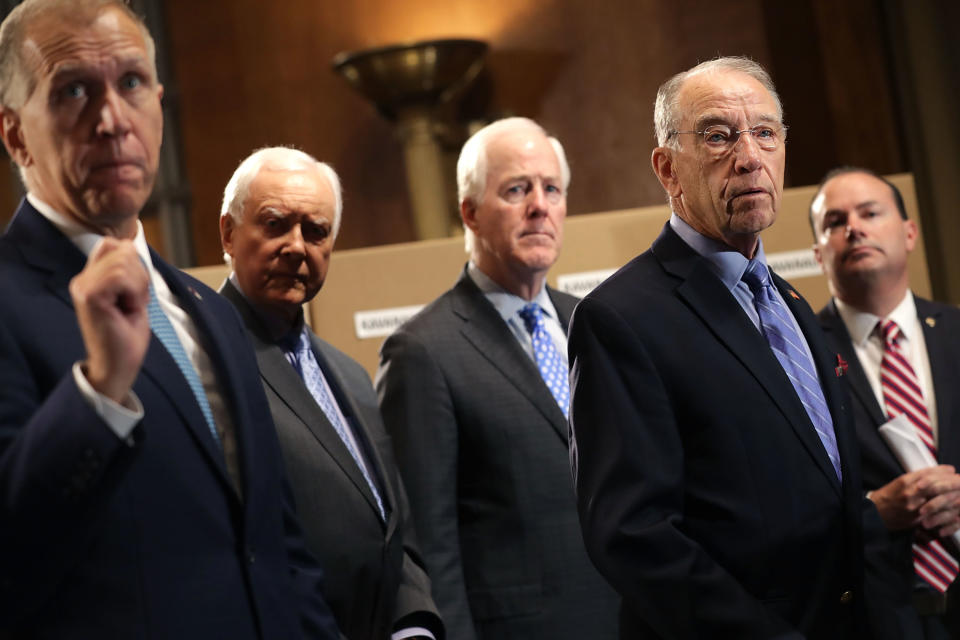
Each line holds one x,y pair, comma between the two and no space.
482,447
374,576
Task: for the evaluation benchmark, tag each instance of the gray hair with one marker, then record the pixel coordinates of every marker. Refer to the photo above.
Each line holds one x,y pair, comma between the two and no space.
472,163
17,82
666,115
275,159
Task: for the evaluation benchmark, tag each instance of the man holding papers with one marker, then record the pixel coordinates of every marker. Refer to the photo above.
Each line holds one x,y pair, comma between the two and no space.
901,356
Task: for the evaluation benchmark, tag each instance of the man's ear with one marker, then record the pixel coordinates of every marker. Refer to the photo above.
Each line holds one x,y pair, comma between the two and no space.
663,167
12,134
227,227
911,234
817,255
468,213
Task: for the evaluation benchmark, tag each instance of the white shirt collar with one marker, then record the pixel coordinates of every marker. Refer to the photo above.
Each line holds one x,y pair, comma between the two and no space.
506,303
860,324
83,238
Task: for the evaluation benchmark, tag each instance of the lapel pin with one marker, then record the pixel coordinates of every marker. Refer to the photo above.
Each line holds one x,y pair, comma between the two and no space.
931,321
793,294
841,367
195,293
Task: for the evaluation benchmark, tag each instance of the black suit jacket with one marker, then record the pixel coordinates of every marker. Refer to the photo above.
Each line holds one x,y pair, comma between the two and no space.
105,539
374,574
482,447
706,496
941,332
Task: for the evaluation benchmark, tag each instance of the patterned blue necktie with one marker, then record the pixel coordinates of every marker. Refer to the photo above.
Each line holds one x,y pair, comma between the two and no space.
549,362
163,329
777,327
306,365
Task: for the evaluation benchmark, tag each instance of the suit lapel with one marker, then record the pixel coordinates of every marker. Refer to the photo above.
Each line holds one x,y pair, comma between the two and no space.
937,333
707,296
288,386
162,368
491,337
339,383
44,248
839,339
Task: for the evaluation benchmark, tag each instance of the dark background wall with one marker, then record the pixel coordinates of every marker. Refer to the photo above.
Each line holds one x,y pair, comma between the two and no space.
243,73
250,75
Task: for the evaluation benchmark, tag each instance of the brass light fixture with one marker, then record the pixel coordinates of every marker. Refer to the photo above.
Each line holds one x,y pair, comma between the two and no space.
410,84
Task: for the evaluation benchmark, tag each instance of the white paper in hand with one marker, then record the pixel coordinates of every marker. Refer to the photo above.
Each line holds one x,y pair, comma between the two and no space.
902,438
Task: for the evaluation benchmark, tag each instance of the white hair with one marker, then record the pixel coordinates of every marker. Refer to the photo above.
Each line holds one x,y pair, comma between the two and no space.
666,109
275,159
472,163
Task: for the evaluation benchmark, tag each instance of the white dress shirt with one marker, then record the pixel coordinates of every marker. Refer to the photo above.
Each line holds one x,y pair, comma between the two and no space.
868,345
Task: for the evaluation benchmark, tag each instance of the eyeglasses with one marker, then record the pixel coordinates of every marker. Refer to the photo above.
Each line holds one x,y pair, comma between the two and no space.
722,138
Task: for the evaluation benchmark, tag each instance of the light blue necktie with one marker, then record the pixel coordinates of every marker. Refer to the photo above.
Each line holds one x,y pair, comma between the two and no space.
549,362
308,368
778,328
163,329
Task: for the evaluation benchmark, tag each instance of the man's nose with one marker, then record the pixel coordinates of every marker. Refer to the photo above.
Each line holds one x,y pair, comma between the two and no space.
294,244
113,119
537,200
746,153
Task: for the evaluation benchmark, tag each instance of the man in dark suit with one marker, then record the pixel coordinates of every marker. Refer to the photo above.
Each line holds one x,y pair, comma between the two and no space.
863,238
141,486
474,393
280,217
717,497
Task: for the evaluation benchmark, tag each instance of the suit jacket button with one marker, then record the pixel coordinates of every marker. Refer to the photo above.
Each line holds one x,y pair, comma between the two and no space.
846,597
251,557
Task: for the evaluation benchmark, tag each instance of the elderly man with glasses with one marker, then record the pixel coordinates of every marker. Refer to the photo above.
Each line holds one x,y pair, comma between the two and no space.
714,458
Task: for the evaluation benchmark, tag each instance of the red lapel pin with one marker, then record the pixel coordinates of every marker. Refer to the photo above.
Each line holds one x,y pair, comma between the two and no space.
841,366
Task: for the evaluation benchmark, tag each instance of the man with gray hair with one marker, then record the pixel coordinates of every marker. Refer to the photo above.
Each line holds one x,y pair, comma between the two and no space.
715,463
473,390
280,216
142,491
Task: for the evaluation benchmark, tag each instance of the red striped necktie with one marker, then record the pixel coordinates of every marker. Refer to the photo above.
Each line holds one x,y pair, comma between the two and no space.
902,395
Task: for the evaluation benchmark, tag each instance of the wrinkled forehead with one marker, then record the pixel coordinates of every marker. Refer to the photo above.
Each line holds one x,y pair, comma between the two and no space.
522,149
724,93
302,188
55,40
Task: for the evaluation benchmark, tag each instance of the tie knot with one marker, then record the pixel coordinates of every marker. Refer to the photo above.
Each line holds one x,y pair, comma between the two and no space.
889,331
757,276
532,316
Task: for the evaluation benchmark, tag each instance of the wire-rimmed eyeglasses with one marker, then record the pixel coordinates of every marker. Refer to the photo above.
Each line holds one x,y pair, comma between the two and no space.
721,138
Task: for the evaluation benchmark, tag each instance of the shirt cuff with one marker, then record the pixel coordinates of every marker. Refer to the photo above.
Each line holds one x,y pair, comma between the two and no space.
412,632
121,419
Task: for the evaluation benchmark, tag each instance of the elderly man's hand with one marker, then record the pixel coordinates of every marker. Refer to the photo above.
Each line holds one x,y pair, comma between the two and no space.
110,296
929,498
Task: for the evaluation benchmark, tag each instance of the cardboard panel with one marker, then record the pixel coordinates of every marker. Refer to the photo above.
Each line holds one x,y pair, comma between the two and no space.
388,280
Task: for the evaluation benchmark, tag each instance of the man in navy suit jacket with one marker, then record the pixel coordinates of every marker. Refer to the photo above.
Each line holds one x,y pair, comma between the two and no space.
863,239
707,496
141,487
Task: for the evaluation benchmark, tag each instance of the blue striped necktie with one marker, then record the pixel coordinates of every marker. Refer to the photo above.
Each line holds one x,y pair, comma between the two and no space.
549,361
309,369
788,345
163,329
